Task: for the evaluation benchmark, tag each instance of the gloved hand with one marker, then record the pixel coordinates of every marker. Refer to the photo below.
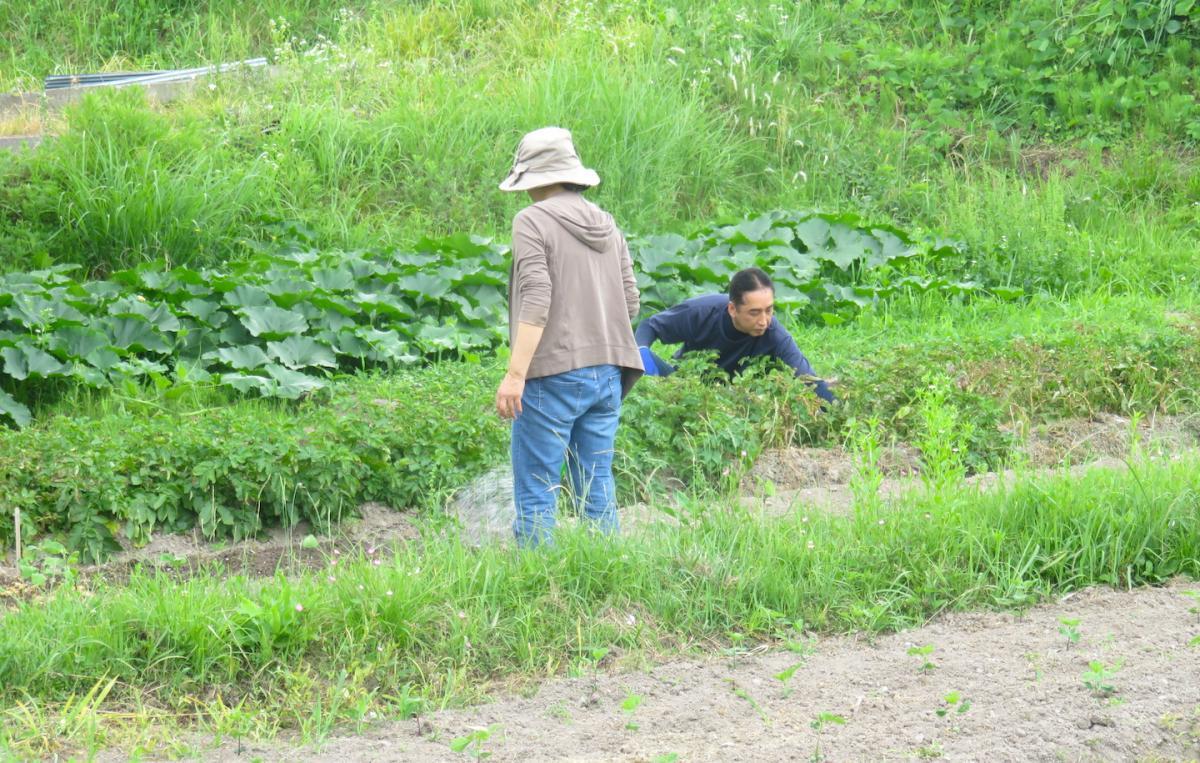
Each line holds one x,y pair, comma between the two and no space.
649,363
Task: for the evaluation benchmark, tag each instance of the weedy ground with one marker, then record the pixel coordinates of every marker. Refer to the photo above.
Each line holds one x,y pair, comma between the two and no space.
1056,144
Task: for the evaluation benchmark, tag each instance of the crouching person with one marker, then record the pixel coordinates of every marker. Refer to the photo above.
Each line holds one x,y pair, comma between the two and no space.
739,325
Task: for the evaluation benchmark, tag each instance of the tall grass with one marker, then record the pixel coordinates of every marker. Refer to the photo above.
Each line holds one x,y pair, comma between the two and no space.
438,620
400,120
72,36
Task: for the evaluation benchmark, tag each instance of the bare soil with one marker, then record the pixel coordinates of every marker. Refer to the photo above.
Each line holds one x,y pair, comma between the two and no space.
819,477
279,549
1028,699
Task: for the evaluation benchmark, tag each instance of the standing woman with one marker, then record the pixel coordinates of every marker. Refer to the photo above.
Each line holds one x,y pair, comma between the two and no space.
572,298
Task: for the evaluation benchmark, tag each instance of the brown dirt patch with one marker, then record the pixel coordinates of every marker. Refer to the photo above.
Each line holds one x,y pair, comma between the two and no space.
1108,436
1028,698
185,555
795,468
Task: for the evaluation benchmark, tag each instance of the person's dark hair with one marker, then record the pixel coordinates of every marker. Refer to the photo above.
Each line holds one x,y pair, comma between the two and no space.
750,279
576,187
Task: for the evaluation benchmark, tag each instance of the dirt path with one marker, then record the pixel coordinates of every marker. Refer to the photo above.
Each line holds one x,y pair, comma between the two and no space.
1028,701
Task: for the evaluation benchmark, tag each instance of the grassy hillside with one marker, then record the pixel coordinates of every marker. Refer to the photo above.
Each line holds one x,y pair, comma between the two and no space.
1057,140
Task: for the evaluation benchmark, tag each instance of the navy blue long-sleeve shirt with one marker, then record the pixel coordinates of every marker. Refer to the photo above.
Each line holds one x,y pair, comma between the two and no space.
704,323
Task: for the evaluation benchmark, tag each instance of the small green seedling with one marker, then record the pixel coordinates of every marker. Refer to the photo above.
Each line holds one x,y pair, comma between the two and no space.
736,641
666,757
590,661
1069,629
743,694
630,705
1097,678
472,744
954,701
823,719
1195,641
923,652
819,723
785,675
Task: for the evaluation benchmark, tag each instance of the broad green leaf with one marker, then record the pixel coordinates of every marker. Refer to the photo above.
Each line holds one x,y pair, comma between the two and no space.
489,297
849,245
24,360
1006,293
187,372
288,291
740,257
135,333
301,352
76,341
205,310
414,259
292,384
752,231
272,322
90,375
458,244
343,306
16,412
890,247
333,279
349,343
789,297
39,313
176,282
477,273
333,320
158,314
248,296
138,367
103,359
860,296
657,253
813,233
386,344
245,357
249,383
799,269
434,336
387,304
103,289
426,285
233,334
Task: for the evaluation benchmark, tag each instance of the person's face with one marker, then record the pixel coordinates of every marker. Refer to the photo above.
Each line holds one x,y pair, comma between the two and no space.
754,315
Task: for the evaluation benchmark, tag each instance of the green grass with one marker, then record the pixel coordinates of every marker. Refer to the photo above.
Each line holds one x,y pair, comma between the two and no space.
75,36
436,623
403,122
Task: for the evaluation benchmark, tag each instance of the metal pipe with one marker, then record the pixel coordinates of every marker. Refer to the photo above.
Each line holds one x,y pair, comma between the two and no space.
61,81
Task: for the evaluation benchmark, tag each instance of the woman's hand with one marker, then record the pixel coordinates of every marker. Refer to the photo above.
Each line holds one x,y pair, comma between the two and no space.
508,396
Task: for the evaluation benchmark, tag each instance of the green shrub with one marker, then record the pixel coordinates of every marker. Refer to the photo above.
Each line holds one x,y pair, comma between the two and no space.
232,471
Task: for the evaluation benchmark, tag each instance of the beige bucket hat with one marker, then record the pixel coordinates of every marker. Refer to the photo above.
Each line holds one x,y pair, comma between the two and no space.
545,157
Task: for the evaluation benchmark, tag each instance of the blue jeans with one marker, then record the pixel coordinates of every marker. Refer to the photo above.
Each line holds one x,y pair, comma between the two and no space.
572,415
